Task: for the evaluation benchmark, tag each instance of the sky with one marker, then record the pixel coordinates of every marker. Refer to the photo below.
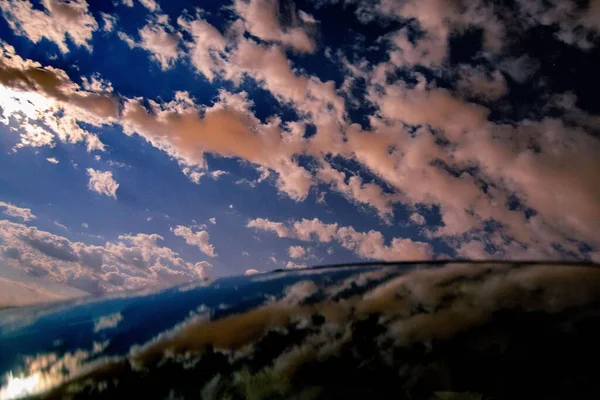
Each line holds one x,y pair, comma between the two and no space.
149,143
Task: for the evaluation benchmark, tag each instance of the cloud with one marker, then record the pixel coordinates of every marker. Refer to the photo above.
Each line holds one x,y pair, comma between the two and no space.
421,168
262,19
234,57
244,136
21,291
193,175
426,145
476,82
264,224
355,190
417,219
212,220
109,22
296,251
251,271
292,265
108,322
46,105
427,26
11,210
199,239
131,262
151,5
435,107
370,245
60,225
159,39
102,183
170,125
228,128
576,24
519,68
307,229
58,21
217,174
270,67
25,75
206,50
303,230
34,136
52,160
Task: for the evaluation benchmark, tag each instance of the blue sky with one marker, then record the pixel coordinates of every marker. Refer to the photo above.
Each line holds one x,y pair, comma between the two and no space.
268,134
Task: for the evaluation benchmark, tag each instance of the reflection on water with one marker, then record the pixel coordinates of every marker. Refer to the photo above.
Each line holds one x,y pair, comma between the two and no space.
23,386
496,330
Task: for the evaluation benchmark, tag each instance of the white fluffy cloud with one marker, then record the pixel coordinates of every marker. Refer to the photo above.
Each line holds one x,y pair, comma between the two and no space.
159,39
251,271
206,50
200,239
372,245
60,20
266,225
102,182
11,210
131,262
296,251
217,174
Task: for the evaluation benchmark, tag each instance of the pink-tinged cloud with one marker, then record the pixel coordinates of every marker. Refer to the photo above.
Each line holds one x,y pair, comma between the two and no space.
200,239
262,19
58,20
369,245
